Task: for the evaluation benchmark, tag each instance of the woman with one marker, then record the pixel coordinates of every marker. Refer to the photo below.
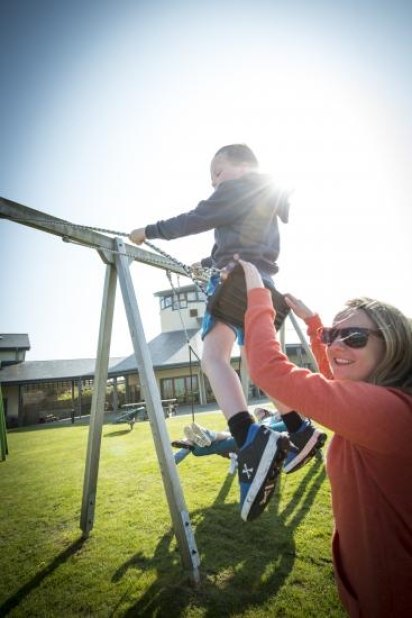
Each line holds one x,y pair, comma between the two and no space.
368,406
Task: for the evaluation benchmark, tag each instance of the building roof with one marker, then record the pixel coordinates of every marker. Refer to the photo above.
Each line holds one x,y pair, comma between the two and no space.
181,288
50,370
166,350
13,341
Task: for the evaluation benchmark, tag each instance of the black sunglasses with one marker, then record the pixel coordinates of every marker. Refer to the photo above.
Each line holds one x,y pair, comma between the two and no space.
352,336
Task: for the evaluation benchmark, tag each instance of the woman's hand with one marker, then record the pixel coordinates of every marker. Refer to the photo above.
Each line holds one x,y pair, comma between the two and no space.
298,307
138,236
252,275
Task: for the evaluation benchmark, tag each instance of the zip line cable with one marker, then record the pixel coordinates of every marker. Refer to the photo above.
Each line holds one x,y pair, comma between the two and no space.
187,269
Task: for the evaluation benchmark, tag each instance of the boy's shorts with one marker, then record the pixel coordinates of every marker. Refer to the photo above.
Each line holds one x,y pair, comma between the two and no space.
209,320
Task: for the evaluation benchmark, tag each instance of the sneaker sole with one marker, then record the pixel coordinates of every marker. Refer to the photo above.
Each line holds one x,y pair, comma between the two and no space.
268,465
198,440
200,436
181,444
315,452
310,448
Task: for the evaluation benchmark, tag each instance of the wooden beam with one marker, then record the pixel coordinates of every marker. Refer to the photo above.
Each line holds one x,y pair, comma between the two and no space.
80,234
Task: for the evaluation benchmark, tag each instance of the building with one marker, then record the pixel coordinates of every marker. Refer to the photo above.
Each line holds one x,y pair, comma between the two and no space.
39,391
13,348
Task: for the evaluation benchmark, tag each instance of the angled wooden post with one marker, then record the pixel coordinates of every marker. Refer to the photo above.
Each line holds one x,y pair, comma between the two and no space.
98,399
174,494
244,373
282,336
303,341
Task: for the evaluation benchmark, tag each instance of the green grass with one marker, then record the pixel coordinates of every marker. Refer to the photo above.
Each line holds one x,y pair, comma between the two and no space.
279,565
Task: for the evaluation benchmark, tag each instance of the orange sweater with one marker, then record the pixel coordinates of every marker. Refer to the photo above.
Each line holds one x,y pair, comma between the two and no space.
369,465
318,348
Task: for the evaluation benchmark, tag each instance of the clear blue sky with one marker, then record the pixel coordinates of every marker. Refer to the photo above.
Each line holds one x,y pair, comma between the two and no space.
110,112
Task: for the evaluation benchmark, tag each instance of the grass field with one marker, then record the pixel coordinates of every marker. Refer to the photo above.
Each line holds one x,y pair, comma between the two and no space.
279,565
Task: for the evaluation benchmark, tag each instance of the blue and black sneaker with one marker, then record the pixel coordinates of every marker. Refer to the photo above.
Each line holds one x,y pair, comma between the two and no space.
305,443
259,463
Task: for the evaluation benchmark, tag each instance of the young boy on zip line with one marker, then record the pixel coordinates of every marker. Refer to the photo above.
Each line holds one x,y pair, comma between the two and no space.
243,210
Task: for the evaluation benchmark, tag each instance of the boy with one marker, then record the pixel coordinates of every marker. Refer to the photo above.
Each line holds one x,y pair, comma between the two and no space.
244,211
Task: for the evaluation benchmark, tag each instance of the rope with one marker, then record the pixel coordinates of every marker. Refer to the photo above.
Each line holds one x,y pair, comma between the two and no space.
190,347
188,269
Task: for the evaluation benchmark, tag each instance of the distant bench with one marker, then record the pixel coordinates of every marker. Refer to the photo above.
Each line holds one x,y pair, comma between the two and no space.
49,418
132,415
137,411
169,407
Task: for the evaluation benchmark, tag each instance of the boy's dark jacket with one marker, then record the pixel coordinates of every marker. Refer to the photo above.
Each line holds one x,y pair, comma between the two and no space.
244,214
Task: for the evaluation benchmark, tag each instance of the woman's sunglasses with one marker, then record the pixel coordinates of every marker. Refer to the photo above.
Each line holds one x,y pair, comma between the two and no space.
352,336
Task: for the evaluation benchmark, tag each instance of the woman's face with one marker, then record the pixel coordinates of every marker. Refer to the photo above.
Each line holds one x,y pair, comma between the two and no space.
355,363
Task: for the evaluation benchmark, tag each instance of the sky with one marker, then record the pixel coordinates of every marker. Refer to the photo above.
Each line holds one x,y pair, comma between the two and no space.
111,111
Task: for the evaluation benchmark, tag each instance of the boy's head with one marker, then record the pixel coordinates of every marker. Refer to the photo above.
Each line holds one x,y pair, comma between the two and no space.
232,162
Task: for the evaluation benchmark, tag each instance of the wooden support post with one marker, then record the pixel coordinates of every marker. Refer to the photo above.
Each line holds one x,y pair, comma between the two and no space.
174,494
282,336
303,341
105,246
244,374
98,399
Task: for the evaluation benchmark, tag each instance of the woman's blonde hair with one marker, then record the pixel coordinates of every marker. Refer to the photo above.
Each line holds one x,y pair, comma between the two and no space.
395,368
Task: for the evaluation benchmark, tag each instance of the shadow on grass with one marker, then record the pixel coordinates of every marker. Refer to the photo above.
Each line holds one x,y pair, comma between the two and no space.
243,566
62,424
36,581
118,432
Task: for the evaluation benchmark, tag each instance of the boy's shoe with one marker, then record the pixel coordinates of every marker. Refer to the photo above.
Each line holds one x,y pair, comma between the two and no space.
197,435
259,463
304,444
182,444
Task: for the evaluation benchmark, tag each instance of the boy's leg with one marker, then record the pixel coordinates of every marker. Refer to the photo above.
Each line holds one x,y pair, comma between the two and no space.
219,447
181,454
224,381
261,450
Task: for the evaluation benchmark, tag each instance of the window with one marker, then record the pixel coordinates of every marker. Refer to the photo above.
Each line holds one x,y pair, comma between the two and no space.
166,301
182,389
193,297
179,301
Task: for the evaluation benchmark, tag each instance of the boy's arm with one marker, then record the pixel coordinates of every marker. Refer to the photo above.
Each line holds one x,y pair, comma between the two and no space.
223,207
138,236
206,262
